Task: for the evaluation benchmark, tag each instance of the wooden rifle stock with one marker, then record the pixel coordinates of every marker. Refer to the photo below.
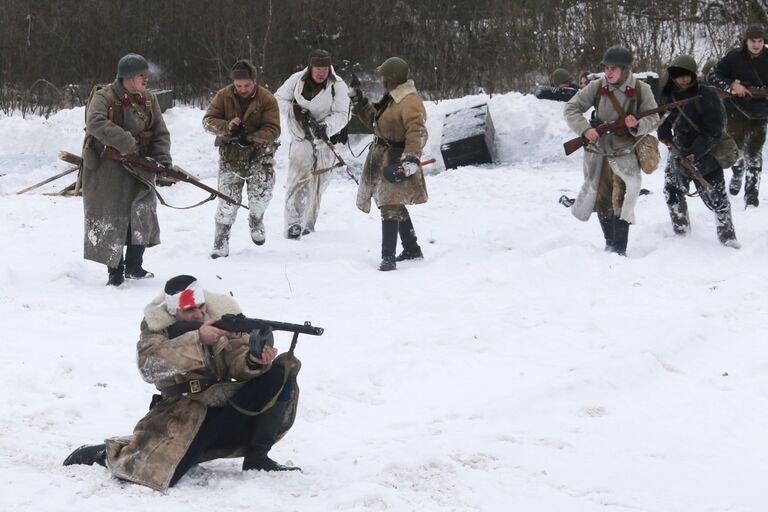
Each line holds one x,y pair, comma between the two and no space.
176,172
579,142
689,166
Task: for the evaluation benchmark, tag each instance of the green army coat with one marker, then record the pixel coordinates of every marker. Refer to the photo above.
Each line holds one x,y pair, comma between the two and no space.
403,120
113,199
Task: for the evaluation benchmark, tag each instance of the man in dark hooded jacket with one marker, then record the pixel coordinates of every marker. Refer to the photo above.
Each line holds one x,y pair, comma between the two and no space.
742,68
695,130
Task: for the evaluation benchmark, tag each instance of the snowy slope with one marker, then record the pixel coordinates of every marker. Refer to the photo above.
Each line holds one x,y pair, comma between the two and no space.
518,367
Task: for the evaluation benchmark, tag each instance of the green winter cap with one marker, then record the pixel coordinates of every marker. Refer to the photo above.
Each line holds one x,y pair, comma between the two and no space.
560,76
708,65
617,56
131,65
395,69
684,62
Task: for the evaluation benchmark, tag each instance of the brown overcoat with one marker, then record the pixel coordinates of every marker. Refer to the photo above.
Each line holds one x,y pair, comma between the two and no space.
113,199
401,120
162,437
261,118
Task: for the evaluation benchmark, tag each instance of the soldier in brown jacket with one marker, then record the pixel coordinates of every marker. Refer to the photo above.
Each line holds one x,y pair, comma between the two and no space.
119,202
246,120
217,398
399,124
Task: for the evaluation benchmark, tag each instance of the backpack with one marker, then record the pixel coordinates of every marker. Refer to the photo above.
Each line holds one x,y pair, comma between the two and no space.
726,152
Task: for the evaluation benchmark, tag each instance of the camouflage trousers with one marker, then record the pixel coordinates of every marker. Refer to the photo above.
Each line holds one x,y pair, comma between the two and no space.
259,179
677,183
749,135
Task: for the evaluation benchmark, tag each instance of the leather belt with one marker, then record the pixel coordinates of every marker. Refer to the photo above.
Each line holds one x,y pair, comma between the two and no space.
381,141
192,387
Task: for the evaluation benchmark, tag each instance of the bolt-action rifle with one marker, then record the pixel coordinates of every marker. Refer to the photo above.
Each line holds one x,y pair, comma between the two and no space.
757,92
175,172
580,142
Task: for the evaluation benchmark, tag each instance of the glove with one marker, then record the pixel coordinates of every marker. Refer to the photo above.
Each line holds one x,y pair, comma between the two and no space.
258,339
357,99
409,165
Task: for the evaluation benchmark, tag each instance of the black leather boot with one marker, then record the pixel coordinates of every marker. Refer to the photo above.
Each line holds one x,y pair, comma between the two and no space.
388,244
620,236
116,274
88,454
411,249
134,258
606,224
255,461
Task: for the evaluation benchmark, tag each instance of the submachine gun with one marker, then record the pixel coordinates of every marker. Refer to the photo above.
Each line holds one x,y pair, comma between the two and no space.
241,323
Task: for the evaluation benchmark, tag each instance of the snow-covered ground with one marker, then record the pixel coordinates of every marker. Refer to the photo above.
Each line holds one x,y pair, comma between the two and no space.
518,367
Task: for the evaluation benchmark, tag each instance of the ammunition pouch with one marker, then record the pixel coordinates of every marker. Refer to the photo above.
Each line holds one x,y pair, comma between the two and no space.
144,142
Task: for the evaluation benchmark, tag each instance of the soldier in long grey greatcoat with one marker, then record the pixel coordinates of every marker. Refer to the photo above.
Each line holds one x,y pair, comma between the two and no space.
217,399
119,200
612,173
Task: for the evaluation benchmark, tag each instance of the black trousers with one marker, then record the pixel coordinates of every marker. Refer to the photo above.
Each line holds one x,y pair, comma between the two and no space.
224,428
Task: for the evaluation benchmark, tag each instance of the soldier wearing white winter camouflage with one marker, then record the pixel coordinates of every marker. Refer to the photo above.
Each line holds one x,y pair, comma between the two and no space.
246,120
316,102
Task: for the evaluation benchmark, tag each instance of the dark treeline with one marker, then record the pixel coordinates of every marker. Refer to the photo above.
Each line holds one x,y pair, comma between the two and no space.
454,47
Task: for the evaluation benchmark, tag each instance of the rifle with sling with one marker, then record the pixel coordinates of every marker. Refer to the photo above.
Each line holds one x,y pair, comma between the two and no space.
316,129
689,166
176,172
580,142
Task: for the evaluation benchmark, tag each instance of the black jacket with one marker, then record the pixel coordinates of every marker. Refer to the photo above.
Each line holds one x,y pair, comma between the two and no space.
751,72
548,92
708,116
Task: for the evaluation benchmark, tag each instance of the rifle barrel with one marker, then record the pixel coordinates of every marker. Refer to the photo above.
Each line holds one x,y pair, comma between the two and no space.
111,153
574,144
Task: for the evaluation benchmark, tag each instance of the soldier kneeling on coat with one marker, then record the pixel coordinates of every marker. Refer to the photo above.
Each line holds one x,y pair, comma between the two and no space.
217,399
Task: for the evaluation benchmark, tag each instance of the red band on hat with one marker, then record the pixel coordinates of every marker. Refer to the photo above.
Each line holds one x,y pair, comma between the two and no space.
187,299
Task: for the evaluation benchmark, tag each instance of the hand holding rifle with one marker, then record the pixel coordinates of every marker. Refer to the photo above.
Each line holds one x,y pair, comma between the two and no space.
592,134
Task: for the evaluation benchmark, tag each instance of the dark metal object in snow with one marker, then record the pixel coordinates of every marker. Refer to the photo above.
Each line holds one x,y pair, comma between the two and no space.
566,201
468,137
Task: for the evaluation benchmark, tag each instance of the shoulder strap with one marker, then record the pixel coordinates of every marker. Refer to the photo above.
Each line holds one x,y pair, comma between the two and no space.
616,105
681,110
